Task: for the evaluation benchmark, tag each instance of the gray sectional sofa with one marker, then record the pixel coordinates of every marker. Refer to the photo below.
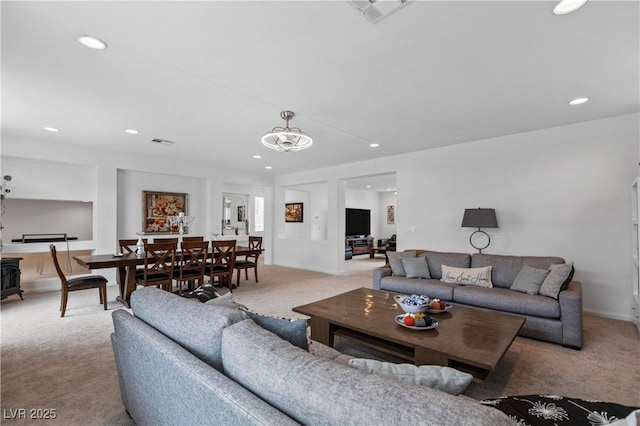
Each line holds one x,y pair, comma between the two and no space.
547,318
183,362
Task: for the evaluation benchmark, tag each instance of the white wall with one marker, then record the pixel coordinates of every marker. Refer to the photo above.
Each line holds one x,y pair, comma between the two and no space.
75,218
132,183
563,191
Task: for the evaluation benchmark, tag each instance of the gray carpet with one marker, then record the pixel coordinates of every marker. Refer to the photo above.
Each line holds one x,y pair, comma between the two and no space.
67,364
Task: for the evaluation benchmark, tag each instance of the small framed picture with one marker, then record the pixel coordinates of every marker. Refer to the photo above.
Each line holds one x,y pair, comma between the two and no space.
241,213
391,215
293,212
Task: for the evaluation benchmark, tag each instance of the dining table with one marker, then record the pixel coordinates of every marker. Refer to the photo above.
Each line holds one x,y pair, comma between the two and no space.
126,264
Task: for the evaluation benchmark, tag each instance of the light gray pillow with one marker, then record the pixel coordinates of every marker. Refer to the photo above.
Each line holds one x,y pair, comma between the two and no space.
529,280
446,379
467,276
416,267
395,261
559,275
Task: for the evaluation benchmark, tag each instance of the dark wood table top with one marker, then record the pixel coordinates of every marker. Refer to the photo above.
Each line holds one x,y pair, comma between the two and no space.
470,335
100,261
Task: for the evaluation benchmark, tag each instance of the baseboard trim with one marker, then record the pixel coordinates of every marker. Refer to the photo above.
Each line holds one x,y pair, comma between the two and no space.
610,315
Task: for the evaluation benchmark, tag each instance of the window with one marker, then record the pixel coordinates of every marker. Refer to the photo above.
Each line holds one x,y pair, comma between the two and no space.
259,214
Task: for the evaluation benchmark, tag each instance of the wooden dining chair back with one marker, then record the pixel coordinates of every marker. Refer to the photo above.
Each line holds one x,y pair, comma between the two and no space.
129,245
78,283
250,260
166,240
223,256
191,264
159,263
190,239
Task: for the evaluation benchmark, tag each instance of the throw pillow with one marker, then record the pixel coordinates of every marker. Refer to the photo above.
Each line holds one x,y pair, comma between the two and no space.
395,261
445,379
529,280
558,279
293,331
203,293
225,300
416,267
467,276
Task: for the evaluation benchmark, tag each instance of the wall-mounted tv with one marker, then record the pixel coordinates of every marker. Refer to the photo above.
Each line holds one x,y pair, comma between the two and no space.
358,222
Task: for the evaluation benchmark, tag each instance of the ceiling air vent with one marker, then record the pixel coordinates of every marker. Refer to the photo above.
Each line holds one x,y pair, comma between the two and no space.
376,10
161,141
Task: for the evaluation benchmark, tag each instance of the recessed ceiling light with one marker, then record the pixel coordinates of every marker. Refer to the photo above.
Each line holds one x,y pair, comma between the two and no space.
257,156
374,145
578,101
568,6
368,186
92,42
132,131
267,167
50,129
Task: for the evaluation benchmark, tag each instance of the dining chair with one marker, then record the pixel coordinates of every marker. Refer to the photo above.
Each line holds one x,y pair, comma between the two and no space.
159,264
129,245
250,260
223,256
190,239
78,283
191,264
166,240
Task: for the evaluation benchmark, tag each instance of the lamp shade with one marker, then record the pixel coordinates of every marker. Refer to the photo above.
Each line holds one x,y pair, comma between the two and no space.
479,218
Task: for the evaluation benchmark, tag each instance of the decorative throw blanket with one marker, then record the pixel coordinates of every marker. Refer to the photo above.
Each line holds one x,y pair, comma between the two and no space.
559,410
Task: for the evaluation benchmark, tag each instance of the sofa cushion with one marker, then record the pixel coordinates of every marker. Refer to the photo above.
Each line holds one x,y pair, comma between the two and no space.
557,280
195,326
314,390
416,267
467,276
432,288
435,259
503,299
446,379
506,268
395,261
529,280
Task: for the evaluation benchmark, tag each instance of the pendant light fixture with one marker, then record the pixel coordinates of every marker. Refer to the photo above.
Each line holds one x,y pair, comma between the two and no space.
286,139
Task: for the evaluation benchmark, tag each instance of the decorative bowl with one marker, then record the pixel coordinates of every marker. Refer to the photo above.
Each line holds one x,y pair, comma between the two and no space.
412,304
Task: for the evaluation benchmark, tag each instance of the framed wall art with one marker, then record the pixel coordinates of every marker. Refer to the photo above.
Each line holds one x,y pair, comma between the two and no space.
293,212
157,206
242,213
391,217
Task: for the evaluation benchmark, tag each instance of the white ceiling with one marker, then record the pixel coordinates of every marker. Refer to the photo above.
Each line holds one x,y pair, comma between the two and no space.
214,76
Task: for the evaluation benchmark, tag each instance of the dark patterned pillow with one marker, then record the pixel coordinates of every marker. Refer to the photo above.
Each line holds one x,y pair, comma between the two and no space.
552,409
203,293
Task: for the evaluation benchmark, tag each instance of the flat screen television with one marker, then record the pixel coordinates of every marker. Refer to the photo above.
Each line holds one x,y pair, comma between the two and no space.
358,222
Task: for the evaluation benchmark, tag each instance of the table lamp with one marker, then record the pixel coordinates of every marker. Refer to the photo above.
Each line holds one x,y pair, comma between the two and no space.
479,218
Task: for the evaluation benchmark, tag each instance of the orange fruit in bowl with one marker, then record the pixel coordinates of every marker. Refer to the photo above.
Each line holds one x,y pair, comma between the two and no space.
409,320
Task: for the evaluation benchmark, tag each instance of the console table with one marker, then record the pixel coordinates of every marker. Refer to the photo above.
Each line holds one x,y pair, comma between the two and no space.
360,245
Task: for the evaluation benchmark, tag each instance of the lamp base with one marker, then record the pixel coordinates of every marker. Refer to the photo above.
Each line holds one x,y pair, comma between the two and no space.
478,238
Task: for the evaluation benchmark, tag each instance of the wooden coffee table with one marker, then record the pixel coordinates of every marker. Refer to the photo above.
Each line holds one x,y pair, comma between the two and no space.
468,339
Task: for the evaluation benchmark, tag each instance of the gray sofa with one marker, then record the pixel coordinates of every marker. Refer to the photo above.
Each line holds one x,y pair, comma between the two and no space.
554,320
183,362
